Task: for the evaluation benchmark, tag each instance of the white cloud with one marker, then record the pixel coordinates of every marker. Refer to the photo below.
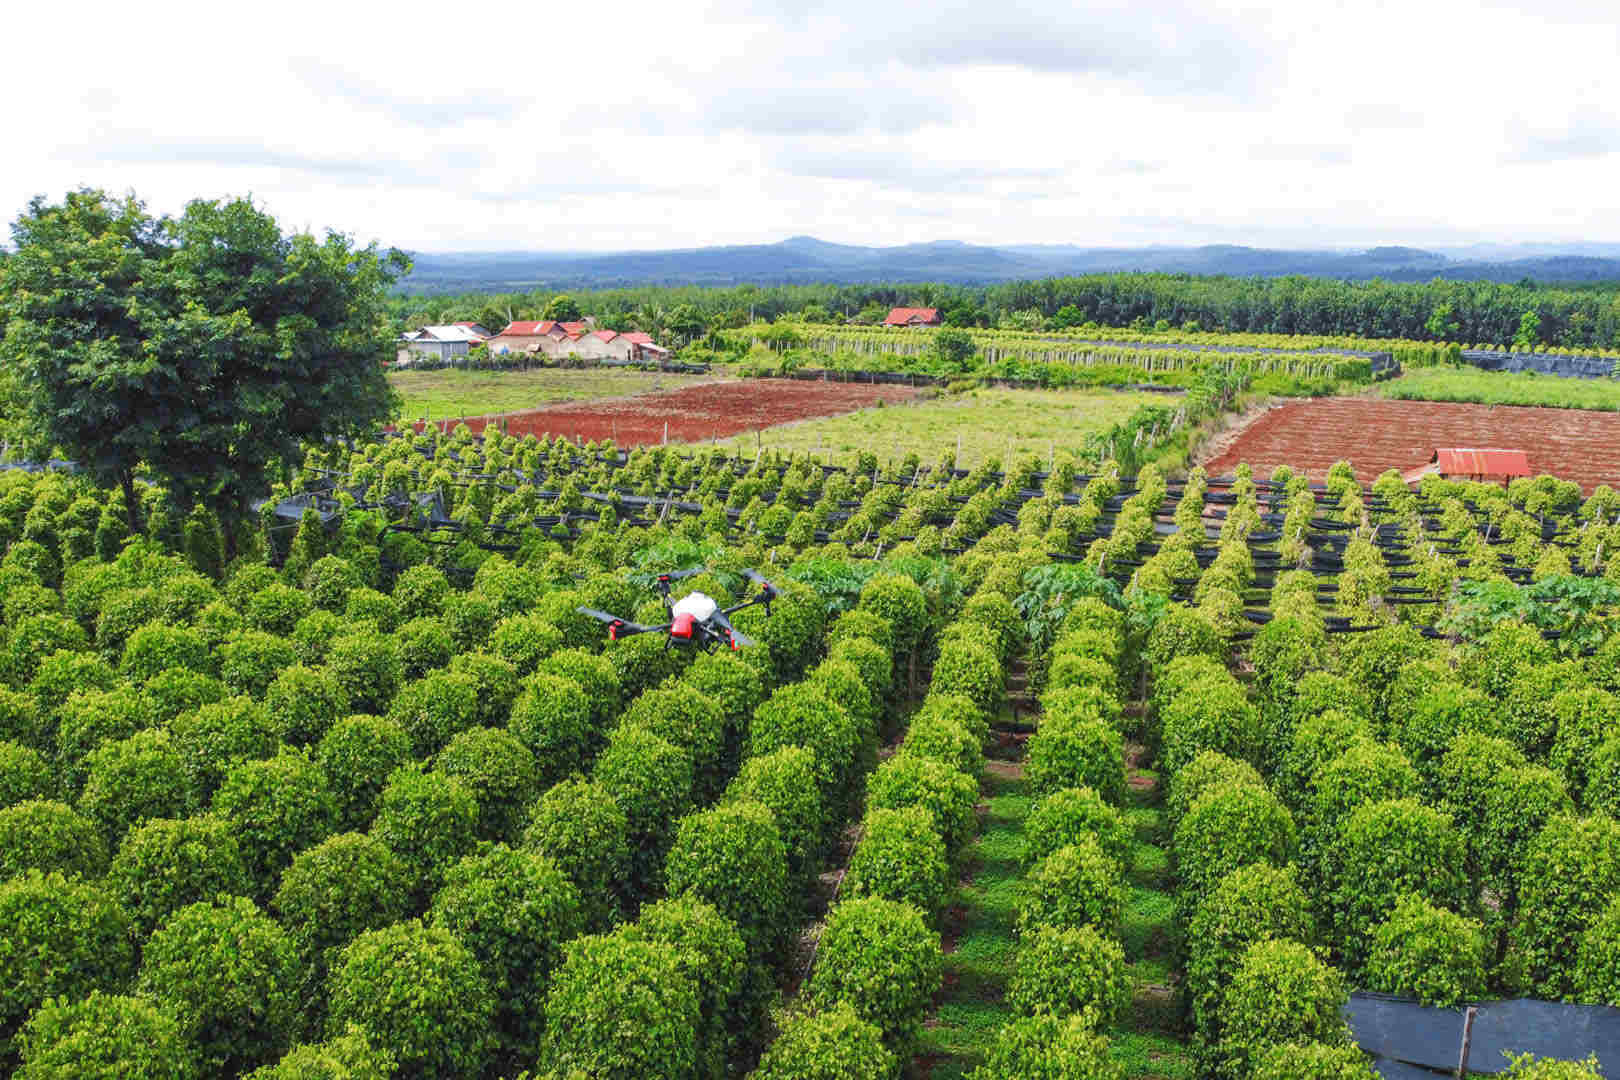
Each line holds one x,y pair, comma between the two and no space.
644,124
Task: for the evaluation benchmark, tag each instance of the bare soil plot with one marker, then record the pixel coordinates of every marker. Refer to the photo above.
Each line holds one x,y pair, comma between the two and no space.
696,413
1373,435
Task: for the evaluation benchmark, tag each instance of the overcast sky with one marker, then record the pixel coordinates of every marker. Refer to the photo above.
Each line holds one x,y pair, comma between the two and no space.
627,124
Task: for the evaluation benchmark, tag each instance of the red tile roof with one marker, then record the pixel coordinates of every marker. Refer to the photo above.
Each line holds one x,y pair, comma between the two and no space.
605,335
636,337
542,327
1469,462
904,316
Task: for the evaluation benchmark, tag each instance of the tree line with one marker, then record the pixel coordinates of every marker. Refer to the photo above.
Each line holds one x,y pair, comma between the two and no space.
1523,313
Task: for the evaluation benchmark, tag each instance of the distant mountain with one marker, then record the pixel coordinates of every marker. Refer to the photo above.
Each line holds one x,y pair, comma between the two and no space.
802,259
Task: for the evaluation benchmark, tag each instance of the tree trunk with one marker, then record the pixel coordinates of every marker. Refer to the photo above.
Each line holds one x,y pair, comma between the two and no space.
132,503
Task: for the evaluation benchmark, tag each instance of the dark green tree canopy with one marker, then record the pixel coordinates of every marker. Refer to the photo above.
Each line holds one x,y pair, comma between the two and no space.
205,347
562,308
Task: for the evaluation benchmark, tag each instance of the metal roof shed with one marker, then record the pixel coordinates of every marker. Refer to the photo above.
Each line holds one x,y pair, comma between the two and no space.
1466,463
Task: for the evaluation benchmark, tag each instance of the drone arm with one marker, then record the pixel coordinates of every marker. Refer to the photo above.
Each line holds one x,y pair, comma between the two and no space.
617,627
767,593
766,600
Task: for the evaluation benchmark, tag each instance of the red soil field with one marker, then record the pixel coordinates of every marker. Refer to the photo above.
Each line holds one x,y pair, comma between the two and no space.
1374,435
694,413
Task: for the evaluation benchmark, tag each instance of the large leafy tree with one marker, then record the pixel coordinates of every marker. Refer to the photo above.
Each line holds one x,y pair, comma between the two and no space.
208,348
563,308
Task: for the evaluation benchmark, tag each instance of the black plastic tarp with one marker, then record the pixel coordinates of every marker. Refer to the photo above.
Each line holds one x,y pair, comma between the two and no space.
1546,1029
1403,1031
1400,1070
1573,367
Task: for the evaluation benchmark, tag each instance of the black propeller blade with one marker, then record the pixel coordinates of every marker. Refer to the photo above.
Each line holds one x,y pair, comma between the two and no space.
602,616
617,627
734,637
767,591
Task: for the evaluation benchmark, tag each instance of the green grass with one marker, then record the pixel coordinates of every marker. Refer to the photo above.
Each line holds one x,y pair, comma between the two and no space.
1145,928
452,393
1153,1055
972,1007
1503,388
1150,1045
986,423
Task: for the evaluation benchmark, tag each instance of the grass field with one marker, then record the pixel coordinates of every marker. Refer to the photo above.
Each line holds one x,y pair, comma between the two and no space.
971,1008
450,393
1503,388
985,422
1148,1043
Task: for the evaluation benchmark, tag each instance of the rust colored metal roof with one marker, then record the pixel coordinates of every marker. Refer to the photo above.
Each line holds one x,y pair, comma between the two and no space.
1470,462
901,316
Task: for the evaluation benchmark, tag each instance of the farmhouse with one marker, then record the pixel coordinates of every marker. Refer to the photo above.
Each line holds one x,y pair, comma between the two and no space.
912,316
562,340
545,336
1490,466
440,342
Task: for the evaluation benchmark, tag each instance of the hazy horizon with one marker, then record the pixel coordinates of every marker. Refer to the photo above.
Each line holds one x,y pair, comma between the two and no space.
1517,249
655,127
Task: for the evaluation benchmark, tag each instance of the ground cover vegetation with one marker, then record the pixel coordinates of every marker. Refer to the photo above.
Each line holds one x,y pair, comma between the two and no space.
1461,383
972,426
367,726
452,393
384,743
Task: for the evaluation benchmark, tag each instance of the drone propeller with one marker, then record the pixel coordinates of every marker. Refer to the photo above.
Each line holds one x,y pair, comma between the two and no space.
663,580
734,637
617,627
767,591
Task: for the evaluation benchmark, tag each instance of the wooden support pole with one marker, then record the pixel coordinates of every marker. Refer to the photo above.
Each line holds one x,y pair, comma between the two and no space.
1467,1041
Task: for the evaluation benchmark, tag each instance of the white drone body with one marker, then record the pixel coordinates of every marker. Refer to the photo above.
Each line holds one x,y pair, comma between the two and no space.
698,605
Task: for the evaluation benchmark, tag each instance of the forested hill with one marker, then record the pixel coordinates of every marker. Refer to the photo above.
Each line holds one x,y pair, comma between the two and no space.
805,259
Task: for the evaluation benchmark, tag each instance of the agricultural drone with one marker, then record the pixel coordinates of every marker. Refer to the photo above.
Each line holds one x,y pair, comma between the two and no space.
694,619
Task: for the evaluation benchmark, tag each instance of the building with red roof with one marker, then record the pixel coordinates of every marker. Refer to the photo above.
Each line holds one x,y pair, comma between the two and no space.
1464,463
579,341
912,316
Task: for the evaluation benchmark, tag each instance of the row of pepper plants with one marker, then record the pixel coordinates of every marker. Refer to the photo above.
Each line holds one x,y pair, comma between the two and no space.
355,811
1358,805
378,799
